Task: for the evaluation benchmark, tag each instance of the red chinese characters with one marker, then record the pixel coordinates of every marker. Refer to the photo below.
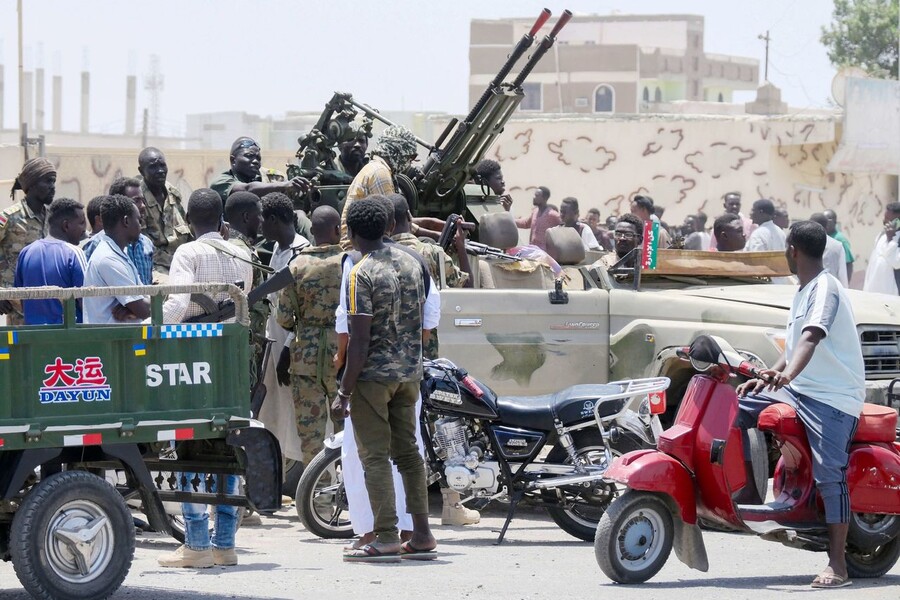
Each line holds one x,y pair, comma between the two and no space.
85,372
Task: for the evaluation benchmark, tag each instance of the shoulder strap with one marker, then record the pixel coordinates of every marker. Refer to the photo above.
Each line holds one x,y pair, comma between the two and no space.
224,250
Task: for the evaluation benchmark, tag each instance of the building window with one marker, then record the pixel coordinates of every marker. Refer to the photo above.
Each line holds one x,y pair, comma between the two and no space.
533,99
657,95
604,99
721,98
695,62
646,95
696,87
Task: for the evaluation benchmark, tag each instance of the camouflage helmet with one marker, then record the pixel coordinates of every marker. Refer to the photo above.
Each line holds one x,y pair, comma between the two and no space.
397,145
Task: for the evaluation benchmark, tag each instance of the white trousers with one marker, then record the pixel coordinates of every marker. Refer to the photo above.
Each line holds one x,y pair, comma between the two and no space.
354,482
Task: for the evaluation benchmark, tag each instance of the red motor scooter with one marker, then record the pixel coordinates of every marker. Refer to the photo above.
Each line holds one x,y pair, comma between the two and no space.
697,475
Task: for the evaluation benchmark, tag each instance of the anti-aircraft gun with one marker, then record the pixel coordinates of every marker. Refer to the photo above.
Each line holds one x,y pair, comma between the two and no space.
438,190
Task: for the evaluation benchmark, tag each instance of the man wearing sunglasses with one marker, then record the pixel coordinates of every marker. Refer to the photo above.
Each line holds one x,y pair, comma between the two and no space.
627,236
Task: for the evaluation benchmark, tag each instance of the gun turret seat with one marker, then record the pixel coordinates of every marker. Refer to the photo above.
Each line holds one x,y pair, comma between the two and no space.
498,230
564,245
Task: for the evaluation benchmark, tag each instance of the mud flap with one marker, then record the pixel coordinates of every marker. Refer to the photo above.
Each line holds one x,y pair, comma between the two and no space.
131,459
263,468
689,546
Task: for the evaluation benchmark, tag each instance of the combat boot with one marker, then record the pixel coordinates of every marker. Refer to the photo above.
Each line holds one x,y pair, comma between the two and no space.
186,558
224,557
454,513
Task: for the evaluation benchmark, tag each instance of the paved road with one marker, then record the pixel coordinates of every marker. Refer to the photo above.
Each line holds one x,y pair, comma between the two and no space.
281,560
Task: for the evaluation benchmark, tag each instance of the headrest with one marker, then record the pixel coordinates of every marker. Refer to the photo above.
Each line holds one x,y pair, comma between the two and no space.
498,230
564,245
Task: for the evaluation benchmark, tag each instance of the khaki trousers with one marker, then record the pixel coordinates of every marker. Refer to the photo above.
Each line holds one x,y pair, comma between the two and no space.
384,426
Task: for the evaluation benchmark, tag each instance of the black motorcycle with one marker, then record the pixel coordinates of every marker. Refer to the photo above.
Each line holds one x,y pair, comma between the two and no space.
552,450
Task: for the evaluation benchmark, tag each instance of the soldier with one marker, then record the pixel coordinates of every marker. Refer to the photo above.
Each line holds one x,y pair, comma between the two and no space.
394,153
165,223
352,157
245,174
243,212
23,223
307,308
628,235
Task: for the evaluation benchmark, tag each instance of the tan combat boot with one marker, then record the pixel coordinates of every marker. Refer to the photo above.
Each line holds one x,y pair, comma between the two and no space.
186,558
455,513
224,557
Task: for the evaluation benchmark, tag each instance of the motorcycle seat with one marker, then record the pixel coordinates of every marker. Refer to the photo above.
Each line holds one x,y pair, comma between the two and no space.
876,423
572,404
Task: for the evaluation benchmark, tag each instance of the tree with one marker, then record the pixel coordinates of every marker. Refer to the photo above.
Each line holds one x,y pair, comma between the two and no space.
864,33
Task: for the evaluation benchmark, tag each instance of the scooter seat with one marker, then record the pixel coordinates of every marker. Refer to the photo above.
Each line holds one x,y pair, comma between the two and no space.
876,423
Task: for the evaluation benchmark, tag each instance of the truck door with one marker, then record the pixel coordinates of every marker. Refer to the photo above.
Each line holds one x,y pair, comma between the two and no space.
519,343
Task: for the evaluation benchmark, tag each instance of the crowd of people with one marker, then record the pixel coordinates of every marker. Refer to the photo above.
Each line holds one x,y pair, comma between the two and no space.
351,331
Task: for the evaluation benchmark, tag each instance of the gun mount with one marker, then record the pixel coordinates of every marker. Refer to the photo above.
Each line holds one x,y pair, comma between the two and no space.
438,189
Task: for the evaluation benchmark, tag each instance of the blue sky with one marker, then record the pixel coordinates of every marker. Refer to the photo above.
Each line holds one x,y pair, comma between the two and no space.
281,55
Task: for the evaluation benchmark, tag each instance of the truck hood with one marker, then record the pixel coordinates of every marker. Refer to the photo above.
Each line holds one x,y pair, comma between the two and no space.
868,308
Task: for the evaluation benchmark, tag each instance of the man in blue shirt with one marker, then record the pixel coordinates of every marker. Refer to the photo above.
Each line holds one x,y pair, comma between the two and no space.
109,265
141,251
54,260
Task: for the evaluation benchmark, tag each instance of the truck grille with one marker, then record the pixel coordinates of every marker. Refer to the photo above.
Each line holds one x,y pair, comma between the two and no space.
881,351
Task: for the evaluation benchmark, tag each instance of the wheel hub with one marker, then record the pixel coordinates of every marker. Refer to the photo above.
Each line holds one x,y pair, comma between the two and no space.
79,541
636,538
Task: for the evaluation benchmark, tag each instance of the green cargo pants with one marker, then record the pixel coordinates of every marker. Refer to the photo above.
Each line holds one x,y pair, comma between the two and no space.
384,424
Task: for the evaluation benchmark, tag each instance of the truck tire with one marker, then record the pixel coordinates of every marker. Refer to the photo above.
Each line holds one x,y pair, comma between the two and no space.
72,538
321,499
581,518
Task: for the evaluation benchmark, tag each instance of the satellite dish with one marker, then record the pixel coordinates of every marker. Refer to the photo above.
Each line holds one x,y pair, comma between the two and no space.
839,83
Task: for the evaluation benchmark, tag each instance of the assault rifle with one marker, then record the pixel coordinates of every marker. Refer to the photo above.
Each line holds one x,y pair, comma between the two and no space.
225,309
448,233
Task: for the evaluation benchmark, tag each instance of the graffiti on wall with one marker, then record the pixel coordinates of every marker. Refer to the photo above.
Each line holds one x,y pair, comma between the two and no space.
689,163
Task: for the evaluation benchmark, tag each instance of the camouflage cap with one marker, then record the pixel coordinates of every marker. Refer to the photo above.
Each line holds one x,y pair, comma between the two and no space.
396,145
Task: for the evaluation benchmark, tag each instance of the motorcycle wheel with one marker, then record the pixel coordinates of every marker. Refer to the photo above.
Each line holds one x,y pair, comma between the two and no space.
872,530
582,514
873,563
634,537
321,499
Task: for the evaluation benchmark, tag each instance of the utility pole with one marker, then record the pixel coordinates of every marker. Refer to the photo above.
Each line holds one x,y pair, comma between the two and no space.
766,39
22,133
154,83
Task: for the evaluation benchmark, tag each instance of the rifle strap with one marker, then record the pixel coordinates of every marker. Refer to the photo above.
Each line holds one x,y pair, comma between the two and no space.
221,248
208,305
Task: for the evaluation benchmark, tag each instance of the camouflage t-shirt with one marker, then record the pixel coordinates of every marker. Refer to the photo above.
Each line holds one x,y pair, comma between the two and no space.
387,285
18,228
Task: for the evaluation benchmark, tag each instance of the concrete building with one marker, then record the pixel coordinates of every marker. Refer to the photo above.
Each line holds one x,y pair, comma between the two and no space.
616,63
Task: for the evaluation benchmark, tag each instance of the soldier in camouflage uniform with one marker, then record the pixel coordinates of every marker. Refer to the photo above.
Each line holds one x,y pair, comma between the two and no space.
245,174
22,223
307,309
435,257
165,223
243,212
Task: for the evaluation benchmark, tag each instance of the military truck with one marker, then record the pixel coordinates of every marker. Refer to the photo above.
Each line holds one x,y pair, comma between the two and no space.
521,335
79,401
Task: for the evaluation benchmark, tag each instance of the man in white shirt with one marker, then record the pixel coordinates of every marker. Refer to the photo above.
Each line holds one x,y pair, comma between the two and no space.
767,236
885,255
110,266
568,212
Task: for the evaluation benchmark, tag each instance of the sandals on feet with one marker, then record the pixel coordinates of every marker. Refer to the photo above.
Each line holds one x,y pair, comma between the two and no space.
410,552
371,554
830,581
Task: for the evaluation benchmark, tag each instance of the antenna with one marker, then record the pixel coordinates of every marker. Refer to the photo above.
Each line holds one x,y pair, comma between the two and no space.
766,39
154,82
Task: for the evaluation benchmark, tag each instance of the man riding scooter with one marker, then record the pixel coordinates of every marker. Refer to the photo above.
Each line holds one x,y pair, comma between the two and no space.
821,374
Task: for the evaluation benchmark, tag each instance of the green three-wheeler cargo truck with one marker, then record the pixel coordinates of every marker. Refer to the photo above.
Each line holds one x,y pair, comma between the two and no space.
146,401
